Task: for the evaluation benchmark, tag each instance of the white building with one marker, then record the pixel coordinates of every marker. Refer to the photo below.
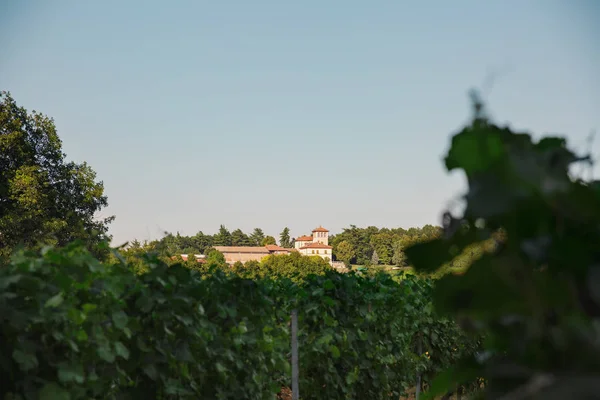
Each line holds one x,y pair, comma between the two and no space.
315,245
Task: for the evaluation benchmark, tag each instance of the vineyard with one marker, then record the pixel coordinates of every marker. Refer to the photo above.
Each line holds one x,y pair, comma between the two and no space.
513,312
77,329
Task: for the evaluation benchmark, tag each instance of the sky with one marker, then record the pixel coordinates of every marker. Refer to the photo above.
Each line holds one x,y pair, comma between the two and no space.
271,113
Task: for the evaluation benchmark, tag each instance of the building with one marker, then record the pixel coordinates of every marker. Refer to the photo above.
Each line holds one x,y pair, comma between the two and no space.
315,245
244,254
274,249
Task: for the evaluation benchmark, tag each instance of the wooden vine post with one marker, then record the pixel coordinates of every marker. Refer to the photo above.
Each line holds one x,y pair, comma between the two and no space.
419,350
295,372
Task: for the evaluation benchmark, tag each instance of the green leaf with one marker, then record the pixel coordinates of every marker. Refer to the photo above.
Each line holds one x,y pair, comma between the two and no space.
150,371
71,373
105,353
45,250
54,301
220,367
9,280
52,391
120,319
88,307
76,316
328,284
144,303
475,150
27,361
81,335
446,381
335,351
121,350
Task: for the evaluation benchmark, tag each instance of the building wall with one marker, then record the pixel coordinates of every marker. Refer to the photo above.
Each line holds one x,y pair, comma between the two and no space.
323,253
321,237
299,244
232,257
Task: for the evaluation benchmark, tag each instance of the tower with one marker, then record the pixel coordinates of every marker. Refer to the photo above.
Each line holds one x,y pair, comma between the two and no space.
321,235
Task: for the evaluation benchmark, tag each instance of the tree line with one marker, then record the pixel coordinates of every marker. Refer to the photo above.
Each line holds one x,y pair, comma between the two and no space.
371,245
200,243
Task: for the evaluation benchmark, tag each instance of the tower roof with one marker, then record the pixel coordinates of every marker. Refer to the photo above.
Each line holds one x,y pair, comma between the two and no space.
320,229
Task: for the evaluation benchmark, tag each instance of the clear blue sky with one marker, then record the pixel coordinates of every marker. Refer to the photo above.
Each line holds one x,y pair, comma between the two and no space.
272,113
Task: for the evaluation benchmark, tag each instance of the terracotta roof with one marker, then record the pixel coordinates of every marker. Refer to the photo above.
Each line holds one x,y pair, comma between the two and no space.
320,229
274,247
242,249
316,246
304,239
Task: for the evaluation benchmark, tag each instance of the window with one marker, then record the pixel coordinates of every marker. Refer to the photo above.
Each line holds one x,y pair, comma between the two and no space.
313,252
317,251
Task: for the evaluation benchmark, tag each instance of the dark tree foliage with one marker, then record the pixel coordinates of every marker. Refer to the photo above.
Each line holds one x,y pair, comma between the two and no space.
257,237
389,244
44,199
284,238
239,238
223,237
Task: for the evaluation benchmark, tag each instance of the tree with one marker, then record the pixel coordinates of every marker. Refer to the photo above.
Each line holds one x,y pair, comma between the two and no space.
268,240
382,243
257,237
374,258
223,238
238,268
399,258
43,198
284,238
239,238
215,258
202,241
345,252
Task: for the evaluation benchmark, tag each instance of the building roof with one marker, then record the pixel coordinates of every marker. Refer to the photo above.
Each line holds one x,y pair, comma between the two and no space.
274,247
320,229
316,246
304,238
242,249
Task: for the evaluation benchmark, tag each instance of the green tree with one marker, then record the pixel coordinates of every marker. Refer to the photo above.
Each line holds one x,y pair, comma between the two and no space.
345,252
268,240
239,238
398,257
223,237
215,258
257,237
284,238
202,242
375,258
382,243
238,268
43,198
